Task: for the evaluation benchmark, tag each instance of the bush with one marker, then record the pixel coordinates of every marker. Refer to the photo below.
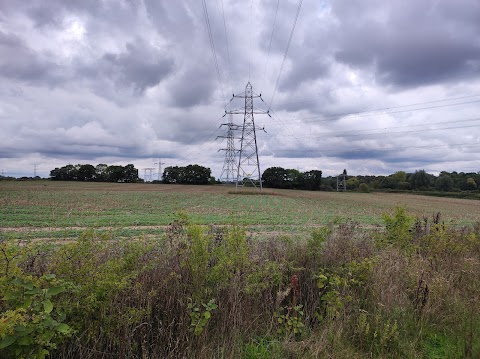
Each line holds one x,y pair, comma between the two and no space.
409,291
364,187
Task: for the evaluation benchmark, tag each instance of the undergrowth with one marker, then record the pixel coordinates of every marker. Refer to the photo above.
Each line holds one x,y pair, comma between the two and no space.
411,290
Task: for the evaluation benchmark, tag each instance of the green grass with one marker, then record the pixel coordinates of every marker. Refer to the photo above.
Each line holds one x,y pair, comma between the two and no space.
63,209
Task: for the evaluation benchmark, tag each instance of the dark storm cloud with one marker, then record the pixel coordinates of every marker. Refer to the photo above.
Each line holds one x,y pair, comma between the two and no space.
195,86
138,66
19,62
409,43
308,67
172,18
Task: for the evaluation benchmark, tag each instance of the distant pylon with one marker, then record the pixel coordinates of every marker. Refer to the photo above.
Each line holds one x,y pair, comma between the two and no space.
342,181
248,169
147,174
159,174
229,169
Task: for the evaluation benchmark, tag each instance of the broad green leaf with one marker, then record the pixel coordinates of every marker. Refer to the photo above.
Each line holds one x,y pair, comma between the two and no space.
63,328
20,328
207,315
11,295
25,341
33,291
27,303
7,341
47,306
55,290
27,285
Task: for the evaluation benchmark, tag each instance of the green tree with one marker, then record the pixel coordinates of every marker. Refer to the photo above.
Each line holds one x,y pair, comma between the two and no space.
420,180
352,183
471,184
312,180
101,172
444,183
191,174
274,177
86,172
130,173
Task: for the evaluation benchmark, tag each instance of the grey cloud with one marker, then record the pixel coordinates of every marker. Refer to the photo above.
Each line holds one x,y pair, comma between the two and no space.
19,62
136,69
138,66
194,87
409,43
307,67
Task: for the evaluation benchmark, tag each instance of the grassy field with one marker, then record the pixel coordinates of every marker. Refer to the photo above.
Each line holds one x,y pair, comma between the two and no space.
375,284
62,210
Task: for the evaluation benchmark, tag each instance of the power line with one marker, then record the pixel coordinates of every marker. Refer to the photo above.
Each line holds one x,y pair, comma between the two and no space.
212,47
228,49
397,132
251,26
380,149
368,114
348,133
286,50
270,45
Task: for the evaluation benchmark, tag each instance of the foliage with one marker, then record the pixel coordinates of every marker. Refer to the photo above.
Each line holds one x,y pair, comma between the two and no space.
290,321
420,180
398,226
444,183
278,177
191,174
409,289
31,325
201,317
364,187
100,173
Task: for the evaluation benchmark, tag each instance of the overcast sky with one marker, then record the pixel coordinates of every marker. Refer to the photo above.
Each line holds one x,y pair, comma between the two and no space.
373,86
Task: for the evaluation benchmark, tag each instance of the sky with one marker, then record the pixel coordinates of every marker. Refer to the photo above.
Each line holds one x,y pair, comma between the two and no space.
371,86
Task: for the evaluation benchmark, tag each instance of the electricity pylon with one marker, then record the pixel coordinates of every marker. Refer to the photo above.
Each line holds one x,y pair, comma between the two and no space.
229,169
248,169
160,174
342,181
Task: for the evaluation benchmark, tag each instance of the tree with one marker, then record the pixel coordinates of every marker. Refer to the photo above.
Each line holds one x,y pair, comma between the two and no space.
130,173
471,184
86,172
420,180
101,172
293,179
352,182
312,180
115,174
399,176
444,183
191,174
274,177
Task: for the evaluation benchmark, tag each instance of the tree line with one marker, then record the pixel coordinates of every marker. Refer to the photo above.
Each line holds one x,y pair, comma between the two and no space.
420,180
191,174
98,173
278,177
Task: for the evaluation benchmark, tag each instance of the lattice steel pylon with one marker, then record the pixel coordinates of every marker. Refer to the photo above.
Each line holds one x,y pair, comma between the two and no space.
229,169
248,169
342,181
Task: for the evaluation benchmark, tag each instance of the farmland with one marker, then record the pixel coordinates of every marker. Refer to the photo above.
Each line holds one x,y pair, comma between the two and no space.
165,271
62,210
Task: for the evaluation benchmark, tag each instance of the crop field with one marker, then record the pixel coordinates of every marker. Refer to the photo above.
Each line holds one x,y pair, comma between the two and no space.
62,210
97,270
